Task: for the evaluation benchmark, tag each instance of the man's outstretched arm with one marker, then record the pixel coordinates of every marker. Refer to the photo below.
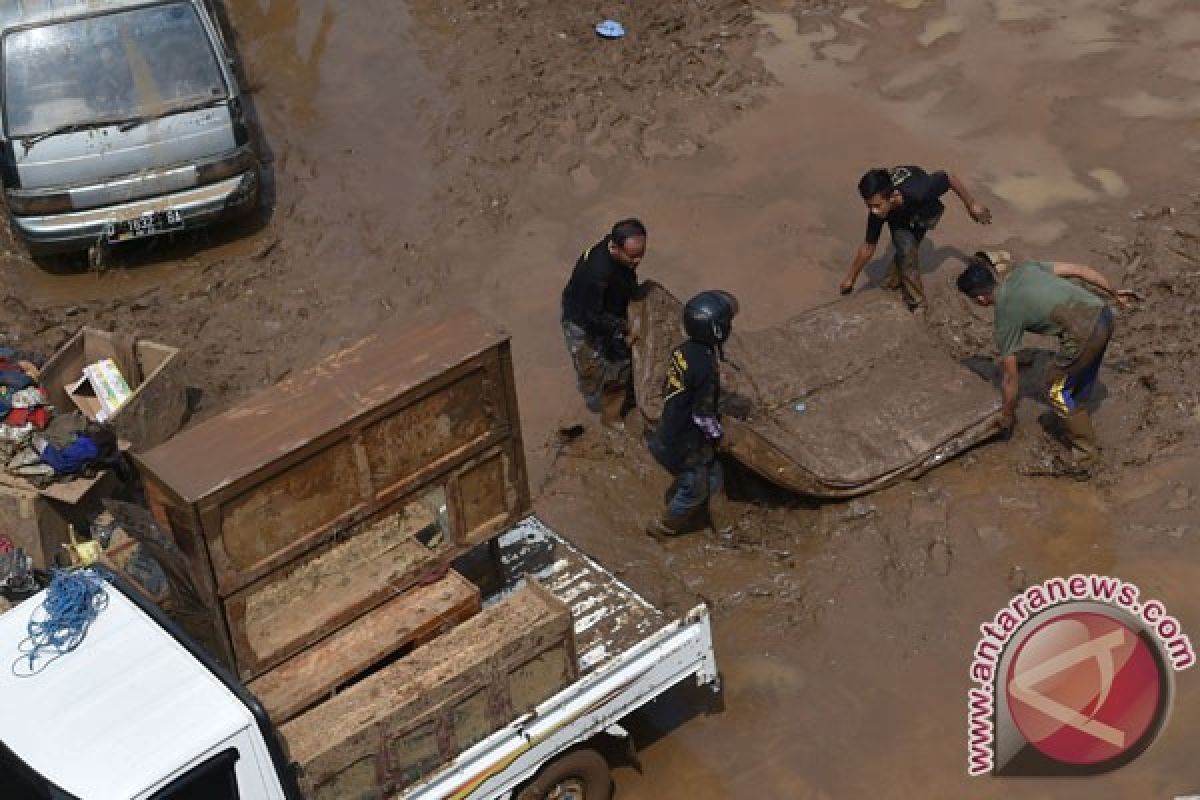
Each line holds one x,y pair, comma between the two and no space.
861,257
1090,276
978,212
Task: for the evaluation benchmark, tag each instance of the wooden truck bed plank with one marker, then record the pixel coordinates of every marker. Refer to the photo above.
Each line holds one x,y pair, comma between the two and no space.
409,619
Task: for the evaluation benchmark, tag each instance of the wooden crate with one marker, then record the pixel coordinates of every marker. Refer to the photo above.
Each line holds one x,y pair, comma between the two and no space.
344,484
401,723
156,409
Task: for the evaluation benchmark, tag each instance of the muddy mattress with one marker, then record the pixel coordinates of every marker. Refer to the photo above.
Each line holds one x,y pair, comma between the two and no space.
838,401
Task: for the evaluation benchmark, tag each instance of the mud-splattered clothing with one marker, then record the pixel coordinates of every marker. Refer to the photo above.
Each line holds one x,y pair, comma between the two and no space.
684,441
598,363
1068,385
1032,298
595,308
908,224
597,296
922,206
689,407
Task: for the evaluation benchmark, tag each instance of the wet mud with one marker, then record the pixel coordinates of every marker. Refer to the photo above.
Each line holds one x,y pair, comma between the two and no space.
431,155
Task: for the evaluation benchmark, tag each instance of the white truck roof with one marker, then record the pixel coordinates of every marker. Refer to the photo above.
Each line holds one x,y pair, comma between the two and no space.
129,705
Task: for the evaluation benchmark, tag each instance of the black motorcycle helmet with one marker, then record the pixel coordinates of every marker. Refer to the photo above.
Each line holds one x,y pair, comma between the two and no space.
708,317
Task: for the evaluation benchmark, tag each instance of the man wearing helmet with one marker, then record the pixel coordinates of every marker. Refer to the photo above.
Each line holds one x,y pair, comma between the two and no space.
595,318
688,430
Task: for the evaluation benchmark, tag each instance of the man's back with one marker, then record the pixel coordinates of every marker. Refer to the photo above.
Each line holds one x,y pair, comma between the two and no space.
1032,298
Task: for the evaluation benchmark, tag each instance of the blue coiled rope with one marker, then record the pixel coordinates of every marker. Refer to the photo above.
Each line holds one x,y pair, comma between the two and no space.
73,601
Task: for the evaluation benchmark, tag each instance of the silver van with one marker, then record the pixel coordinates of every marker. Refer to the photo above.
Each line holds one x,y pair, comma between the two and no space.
122,120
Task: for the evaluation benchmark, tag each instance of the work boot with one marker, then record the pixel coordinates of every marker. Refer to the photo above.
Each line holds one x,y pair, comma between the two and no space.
668,525
722,518
891,279
1085,453
612,407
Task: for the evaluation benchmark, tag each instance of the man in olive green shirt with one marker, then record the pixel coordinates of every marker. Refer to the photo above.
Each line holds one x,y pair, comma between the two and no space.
1036,296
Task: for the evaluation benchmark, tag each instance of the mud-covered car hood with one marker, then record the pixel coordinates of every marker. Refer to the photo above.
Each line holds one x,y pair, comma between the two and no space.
841,400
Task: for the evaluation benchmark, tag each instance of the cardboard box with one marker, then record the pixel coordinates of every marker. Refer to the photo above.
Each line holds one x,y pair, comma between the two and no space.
156,404
38,524
101,392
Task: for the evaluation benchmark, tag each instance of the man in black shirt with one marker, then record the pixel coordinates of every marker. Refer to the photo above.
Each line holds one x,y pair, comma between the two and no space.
908,200
595,318
685,441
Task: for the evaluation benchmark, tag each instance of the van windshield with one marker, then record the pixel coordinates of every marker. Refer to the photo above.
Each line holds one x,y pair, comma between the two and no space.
108,68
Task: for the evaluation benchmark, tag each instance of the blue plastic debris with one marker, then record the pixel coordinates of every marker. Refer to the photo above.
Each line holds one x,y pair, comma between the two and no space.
610,29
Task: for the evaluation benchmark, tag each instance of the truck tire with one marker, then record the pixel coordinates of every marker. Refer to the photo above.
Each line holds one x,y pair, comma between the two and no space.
578,775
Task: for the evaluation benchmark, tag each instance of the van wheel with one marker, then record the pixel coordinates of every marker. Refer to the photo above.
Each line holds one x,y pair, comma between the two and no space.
578,775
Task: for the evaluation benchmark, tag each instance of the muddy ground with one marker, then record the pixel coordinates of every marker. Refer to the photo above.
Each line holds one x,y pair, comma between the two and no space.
430,155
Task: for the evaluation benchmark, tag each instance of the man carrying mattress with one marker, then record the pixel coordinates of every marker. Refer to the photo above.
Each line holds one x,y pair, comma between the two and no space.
1039,297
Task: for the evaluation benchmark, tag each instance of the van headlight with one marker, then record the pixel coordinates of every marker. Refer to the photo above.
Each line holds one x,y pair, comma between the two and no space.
243,160
36,204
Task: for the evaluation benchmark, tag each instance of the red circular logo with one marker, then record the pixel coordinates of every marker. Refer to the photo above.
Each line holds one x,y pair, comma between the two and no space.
1084,688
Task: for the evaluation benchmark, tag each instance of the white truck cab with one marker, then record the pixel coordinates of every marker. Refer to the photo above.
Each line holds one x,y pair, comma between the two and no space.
137,712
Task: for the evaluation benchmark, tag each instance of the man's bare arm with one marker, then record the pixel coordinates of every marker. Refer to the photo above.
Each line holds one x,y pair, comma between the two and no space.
1090,276
978,212
861,256
1010,380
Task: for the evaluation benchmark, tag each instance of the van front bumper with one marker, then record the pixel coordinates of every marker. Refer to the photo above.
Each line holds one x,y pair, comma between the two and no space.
197,207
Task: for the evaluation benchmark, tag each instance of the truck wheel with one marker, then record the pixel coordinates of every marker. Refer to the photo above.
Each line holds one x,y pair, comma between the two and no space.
578,775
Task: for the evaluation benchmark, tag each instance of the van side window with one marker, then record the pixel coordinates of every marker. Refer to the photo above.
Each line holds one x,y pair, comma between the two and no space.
213,780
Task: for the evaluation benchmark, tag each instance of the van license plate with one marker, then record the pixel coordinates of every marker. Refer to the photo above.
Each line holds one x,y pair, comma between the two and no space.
145,225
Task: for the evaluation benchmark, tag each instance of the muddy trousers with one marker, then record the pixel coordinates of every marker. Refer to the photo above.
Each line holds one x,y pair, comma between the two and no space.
904,273
1068,387
698,477
604,382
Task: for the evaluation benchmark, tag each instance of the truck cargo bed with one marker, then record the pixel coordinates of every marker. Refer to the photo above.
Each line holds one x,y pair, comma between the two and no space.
610,618
628,653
